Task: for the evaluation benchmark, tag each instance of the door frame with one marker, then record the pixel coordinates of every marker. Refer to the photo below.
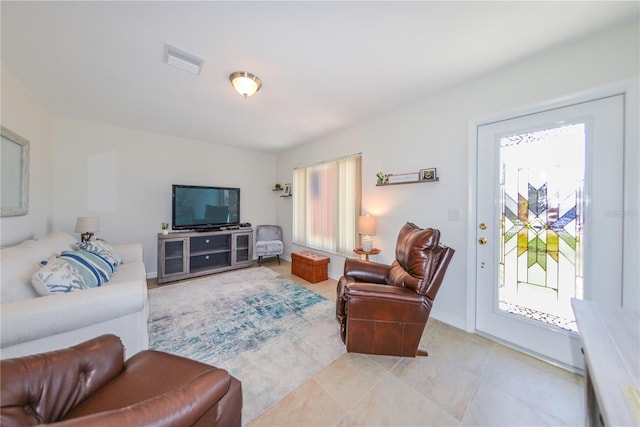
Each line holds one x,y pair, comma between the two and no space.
631,196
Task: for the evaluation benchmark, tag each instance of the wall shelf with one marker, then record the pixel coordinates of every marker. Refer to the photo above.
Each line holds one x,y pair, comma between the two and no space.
408,182
423,175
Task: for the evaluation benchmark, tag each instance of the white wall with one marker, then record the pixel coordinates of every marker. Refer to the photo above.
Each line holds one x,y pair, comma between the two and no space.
434,133
124,177
25,115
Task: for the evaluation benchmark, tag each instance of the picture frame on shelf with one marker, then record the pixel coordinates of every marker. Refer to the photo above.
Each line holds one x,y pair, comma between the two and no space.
428,174
287,190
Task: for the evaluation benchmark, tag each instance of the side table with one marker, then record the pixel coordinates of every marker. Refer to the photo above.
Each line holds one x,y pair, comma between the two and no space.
360,251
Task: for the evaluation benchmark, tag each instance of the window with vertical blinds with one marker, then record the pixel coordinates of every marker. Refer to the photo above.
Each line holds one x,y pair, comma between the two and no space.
326,199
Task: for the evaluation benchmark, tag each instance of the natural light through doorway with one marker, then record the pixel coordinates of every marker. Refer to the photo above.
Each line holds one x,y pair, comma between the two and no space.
541,185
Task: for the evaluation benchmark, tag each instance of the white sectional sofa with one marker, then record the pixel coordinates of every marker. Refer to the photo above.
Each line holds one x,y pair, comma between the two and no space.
30,323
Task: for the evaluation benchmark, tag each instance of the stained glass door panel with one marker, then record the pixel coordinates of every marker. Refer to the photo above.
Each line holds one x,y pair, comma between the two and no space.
541,187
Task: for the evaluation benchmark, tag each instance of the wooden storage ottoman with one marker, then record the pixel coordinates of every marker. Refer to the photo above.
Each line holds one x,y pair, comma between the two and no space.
310,266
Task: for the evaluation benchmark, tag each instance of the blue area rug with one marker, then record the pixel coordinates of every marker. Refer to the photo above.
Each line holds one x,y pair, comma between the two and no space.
270,333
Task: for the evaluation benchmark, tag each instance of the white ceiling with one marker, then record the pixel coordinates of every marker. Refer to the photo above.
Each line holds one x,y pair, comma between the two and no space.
324,66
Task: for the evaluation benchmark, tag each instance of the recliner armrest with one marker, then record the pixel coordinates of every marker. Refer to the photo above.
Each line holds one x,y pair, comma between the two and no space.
180,407
380,291
362,271
384,303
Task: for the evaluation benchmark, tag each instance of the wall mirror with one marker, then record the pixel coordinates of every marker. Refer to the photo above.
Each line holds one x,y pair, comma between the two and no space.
14,171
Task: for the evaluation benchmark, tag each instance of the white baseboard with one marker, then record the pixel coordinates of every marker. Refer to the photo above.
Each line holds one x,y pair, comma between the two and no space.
449,320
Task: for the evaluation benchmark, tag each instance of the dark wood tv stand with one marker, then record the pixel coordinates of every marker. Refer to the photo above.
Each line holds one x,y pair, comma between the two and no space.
182,255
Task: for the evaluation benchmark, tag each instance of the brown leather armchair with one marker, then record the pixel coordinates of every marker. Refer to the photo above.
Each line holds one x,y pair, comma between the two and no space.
383,309
90,384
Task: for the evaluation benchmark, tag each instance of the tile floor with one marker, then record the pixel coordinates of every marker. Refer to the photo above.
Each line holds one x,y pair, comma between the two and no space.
466,380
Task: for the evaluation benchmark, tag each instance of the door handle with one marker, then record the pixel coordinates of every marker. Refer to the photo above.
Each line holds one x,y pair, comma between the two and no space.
482,241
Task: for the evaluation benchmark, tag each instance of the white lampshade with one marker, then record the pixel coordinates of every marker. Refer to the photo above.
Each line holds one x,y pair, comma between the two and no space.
246,84
87,225
367,227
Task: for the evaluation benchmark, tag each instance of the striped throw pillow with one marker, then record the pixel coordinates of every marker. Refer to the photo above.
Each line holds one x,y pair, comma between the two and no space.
103,249
99,266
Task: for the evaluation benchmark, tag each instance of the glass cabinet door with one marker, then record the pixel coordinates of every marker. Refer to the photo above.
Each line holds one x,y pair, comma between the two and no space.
243,248
173,259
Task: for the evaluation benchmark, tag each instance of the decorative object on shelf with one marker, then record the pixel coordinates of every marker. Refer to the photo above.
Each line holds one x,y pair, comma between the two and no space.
87,225
428,174
287,190
360,251
246,84
277,187
424,175
382,178
367,228
165,227
403,177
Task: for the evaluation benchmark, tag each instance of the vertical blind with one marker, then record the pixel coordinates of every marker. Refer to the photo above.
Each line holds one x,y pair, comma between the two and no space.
327,201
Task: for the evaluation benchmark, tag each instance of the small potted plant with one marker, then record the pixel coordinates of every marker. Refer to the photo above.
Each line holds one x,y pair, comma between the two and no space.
277,187
165,227
381,177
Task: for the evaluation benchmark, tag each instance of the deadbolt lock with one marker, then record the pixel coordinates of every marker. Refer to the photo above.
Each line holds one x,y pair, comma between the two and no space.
483,226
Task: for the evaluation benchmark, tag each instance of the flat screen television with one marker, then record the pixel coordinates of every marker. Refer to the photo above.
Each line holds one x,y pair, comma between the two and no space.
204,208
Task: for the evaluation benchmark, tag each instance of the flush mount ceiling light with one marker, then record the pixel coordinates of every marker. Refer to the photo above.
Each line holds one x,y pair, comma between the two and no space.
246,84
182,60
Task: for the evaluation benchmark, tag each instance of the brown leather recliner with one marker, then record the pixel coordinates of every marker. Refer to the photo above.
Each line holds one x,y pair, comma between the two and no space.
383,309
90,384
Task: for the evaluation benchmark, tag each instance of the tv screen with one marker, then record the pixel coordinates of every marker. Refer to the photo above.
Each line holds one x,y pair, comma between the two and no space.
201,208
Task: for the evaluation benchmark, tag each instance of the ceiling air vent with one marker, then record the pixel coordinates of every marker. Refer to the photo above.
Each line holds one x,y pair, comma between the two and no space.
183,60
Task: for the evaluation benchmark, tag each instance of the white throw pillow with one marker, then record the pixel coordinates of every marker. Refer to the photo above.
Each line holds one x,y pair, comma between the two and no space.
58,277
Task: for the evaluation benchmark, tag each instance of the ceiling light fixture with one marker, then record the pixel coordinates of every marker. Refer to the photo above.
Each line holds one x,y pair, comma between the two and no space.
246,84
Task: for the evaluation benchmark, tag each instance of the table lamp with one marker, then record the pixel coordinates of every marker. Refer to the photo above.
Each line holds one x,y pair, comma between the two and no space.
87,225
367,228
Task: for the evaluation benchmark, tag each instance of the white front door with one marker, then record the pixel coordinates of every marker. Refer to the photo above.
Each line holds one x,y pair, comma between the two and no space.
549,194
